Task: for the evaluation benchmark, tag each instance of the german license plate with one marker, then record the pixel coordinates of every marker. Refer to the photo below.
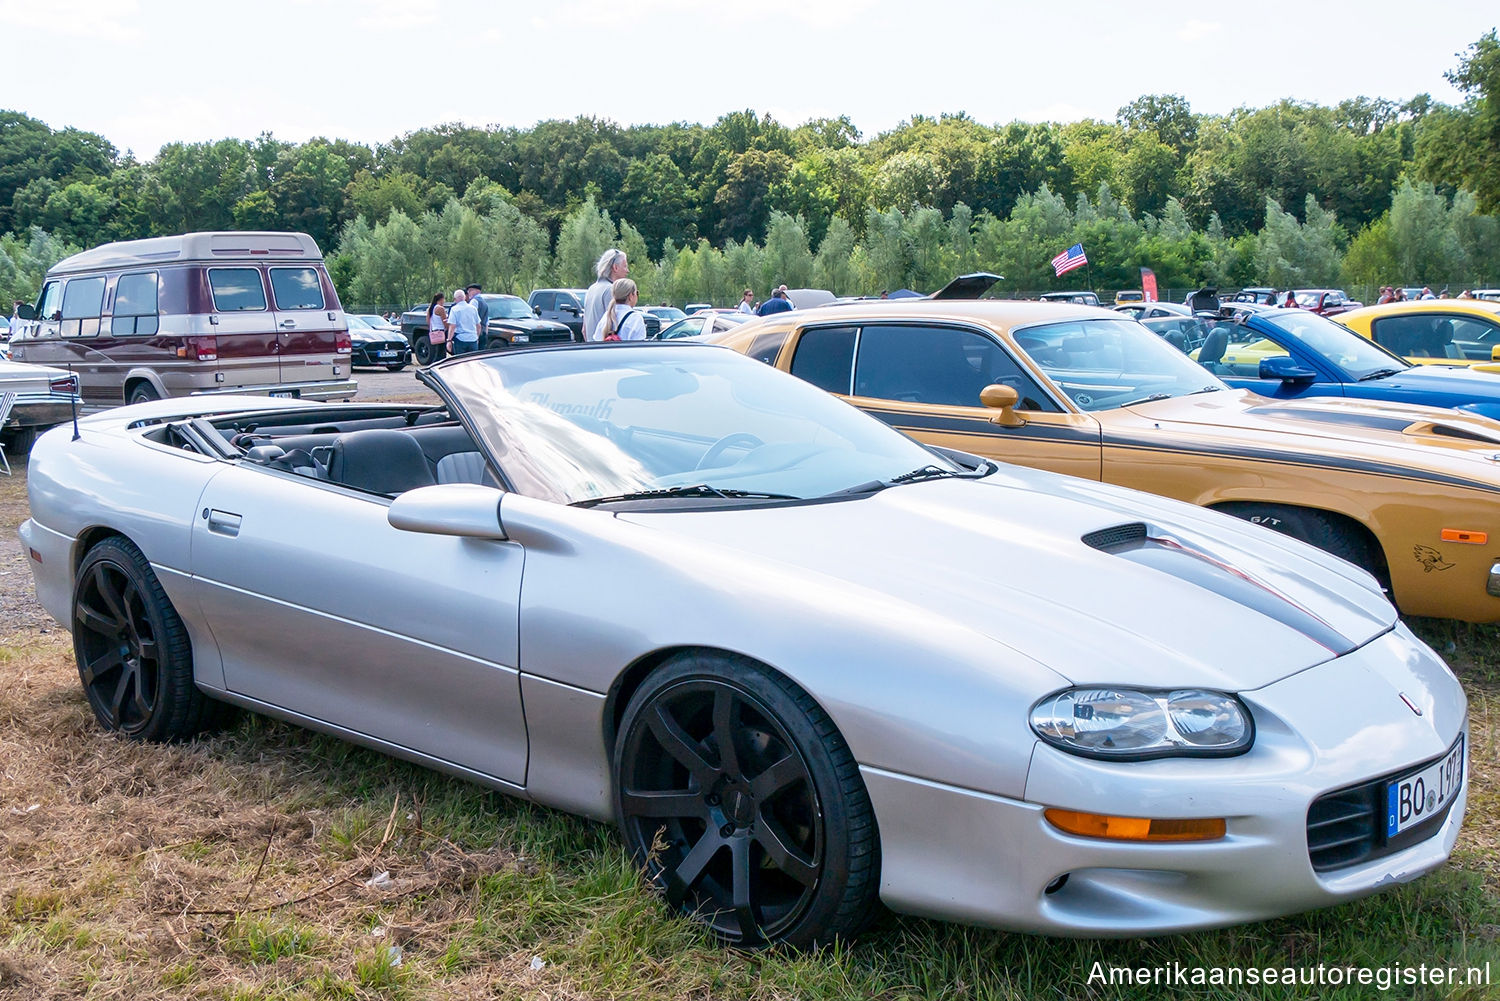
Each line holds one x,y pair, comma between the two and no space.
282,392
1423,795
385,354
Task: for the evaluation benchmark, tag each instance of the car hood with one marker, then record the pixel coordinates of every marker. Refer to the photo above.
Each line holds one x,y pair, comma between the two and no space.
1480,386
1392,435
1006,558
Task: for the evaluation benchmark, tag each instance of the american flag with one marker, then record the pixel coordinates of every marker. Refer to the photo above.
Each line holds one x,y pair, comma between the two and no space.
1069,259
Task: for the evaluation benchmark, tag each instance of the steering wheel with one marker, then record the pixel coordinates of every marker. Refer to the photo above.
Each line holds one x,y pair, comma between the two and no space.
717,449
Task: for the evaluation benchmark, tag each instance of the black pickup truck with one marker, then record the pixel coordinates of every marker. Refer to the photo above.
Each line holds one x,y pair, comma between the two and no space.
510,325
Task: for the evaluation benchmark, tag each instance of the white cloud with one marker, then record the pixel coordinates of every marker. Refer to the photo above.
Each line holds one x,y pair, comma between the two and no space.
117,20
708,21
398,15
1197,31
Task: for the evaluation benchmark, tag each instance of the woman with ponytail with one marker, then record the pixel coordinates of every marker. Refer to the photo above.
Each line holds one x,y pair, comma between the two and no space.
622,321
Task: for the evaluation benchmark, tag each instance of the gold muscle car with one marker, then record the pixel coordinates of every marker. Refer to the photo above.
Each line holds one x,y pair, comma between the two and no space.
1410,493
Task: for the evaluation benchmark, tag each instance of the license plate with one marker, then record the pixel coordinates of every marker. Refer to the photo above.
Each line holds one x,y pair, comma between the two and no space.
385,354
1423,795
283,392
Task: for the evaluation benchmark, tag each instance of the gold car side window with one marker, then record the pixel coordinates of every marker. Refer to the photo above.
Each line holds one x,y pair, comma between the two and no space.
943,366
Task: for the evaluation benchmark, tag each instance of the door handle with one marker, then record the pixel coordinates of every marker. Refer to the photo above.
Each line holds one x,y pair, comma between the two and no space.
289,323
222,522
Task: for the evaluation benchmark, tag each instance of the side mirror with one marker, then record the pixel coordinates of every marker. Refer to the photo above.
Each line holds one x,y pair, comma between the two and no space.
467,510
1495,353
1285,368
26,311
1004,399
572,309
536,310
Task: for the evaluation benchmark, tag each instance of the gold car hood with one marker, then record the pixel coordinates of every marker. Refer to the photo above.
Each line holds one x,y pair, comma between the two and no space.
1005,559
1332,420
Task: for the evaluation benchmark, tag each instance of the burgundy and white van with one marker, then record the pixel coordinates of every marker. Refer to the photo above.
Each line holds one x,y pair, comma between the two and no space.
198,313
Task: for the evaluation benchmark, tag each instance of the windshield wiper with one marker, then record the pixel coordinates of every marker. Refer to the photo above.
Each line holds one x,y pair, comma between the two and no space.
695,490
1380,373
1148,399
928,472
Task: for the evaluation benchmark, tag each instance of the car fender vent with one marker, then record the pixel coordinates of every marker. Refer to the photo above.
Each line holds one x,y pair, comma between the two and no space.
1110,540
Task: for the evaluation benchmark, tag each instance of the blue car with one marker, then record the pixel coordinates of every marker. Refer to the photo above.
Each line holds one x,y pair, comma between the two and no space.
1293,353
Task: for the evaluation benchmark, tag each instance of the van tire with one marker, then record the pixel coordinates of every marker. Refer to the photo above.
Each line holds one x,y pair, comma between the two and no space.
142,392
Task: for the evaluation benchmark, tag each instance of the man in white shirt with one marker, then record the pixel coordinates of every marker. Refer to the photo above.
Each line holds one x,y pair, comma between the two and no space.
16,323
465,319
610,267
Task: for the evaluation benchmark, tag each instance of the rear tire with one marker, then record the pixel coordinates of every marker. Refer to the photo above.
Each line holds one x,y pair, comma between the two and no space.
142,392
134,656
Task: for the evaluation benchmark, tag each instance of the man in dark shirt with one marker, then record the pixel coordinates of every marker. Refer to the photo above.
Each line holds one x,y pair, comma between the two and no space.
474,289
778,303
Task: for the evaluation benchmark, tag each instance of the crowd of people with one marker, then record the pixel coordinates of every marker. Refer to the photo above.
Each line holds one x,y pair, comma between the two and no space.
1392,293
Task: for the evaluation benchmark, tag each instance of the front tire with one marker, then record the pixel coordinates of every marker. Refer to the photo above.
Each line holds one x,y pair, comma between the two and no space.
134,656
744,806
1315,528
421,349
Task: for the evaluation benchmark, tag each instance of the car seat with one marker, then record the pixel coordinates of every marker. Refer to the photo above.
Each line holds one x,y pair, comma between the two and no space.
1214,345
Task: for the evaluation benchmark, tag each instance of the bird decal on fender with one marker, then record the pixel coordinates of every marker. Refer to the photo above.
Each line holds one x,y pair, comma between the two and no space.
1430,559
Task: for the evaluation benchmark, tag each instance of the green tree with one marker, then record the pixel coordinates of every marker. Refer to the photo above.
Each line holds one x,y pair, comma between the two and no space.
586,233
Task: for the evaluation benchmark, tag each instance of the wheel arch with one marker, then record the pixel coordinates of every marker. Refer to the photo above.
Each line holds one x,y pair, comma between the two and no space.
629,680
136,377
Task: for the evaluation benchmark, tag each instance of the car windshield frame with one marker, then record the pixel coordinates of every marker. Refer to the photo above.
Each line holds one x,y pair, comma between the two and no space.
578,424
1119,363
1352,356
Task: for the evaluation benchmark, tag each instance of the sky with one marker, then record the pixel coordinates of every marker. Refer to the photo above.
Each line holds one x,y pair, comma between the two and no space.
146,72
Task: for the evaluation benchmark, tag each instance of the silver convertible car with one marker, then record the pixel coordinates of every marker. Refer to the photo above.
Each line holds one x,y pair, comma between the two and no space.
804,662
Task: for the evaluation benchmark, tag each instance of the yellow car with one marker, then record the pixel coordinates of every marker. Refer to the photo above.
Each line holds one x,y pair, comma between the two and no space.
1410,493
1433,331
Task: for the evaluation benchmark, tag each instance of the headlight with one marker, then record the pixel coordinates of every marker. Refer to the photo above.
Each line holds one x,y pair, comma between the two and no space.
520,338
1133,723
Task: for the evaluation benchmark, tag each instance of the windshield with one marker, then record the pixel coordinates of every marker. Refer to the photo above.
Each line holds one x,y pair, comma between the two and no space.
357,322
1107,363
507,307
577,424
1356,355
1309,300
668,314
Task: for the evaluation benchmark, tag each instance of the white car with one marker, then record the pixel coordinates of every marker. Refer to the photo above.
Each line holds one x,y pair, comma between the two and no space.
803,661
45,396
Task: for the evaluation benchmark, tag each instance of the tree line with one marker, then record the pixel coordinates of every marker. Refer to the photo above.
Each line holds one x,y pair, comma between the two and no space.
1368,191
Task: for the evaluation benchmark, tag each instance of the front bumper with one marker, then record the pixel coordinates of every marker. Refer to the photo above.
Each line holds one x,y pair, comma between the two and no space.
341,389
41,410
964,855
368,355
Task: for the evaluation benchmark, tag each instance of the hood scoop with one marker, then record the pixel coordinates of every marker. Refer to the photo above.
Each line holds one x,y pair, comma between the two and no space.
1136,542
1475,428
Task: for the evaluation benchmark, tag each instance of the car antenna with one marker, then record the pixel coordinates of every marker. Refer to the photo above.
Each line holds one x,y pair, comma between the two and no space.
73,400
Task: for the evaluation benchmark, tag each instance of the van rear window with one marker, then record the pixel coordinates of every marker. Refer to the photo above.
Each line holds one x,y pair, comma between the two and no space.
297,288
237,289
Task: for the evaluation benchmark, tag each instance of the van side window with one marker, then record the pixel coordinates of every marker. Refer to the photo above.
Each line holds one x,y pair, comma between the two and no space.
297,288
237,289
135,305
82,300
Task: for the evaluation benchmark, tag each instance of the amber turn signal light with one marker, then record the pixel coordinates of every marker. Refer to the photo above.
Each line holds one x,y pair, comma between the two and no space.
1460,535
1097,825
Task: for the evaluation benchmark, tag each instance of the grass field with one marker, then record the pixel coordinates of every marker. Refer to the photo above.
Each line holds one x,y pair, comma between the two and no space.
269,863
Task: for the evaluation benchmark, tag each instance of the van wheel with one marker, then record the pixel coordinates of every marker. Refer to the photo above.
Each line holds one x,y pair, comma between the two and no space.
421,350
143,392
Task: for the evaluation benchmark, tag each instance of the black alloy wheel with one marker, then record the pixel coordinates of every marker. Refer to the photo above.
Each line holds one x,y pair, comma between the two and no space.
134,656
421,350
743,805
